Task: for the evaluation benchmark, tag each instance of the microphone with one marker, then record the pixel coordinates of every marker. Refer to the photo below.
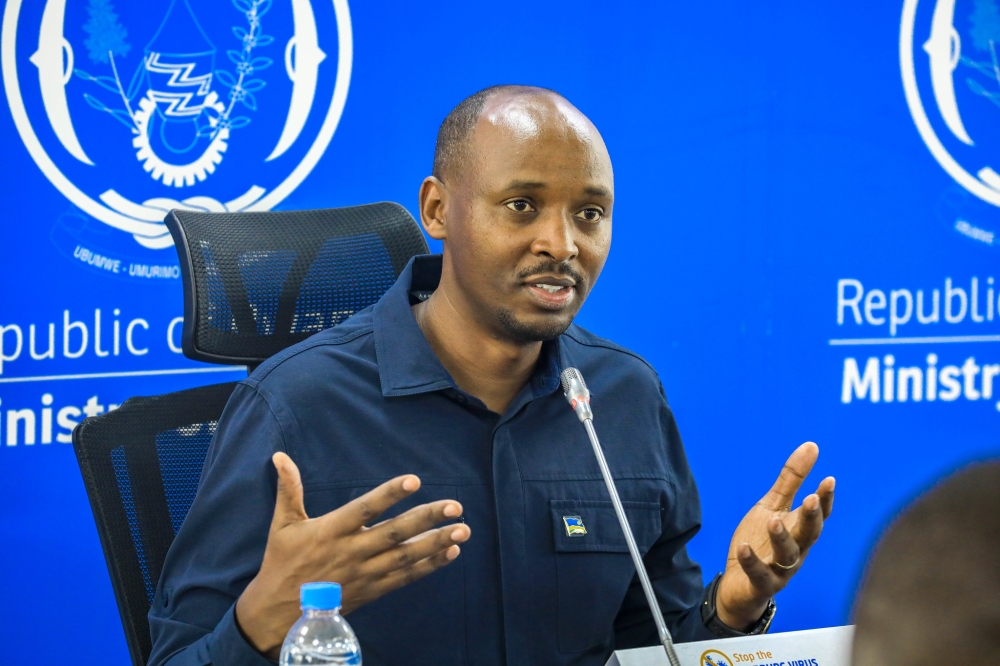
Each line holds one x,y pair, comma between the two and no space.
578,396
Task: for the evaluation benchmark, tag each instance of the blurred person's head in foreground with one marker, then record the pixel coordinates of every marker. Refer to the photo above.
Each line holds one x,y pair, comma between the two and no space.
931,593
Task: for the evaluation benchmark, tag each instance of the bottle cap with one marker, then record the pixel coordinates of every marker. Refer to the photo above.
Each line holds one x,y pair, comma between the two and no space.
320,596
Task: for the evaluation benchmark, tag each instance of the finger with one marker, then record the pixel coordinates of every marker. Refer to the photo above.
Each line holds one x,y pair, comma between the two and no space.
405,576
289,506
797,467
825,492
359,512
416,549
786,550
761,576
419,519
809,524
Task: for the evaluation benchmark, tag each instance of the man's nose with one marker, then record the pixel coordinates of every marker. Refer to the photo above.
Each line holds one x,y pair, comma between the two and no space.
555,237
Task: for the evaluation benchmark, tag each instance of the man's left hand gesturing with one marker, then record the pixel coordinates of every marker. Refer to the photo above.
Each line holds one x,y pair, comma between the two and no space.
772,541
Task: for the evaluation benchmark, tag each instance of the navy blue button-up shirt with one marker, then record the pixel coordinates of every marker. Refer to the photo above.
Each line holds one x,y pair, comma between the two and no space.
368,400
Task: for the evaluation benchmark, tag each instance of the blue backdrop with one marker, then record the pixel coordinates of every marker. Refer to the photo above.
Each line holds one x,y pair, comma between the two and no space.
804,241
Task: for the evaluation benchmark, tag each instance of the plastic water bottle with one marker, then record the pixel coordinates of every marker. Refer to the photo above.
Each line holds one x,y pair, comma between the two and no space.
321,636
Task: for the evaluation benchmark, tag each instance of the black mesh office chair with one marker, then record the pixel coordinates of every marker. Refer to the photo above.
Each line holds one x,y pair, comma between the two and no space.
254,283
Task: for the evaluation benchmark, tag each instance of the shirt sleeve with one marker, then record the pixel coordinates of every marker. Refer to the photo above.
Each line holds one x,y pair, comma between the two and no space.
675,577
220,545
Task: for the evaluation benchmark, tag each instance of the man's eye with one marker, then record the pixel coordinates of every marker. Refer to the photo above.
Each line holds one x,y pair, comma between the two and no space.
591,214
520,206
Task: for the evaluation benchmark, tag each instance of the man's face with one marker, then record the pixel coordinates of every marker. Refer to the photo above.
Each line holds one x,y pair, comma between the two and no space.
529,220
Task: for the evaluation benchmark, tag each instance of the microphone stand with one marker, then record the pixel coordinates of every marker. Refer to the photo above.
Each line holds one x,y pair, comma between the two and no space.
578,396
661,627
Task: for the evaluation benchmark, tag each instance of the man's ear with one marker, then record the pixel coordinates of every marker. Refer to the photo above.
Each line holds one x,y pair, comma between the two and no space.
433,199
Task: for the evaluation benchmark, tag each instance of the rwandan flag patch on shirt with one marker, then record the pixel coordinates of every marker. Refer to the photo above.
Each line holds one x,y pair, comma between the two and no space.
574,526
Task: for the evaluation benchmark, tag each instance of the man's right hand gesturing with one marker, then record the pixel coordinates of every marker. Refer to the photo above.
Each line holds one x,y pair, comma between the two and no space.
367,562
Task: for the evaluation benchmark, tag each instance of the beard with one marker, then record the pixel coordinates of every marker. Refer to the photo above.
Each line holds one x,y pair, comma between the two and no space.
520,331
523,332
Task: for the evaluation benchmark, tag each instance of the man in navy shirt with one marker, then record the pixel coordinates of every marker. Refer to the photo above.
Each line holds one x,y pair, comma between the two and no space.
446,408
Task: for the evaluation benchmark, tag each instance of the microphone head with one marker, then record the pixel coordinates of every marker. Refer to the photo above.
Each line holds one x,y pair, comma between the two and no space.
568,377
576,392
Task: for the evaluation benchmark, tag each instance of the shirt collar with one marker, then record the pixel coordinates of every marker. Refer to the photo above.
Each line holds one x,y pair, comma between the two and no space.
406,363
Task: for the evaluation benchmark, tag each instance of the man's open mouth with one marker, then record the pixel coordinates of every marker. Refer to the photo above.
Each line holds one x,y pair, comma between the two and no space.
552,294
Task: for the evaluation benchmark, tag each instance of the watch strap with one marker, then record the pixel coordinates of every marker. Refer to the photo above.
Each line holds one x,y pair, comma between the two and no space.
710,617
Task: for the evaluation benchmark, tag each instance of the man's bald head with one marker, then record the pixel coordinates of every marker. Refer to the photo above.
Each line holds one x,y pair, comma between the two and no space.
454,138
931,589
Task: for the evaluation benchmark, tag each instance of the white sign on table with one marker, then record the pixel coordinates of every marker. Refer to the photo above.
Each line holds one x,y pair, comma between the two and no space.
815,647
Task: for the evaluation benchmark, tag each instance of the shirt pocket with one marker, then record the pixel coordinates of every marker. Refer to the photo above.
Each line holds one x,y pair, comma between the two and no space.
593,565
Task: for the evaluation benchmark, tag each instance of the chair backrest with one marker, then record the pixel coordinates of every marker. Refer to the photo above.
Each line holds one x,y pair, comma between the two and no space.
141,464
256,283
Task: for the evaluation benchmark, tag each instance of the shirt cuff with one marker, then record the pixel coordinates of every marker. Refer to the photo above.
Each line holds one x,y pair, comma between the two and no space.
230,647
689,628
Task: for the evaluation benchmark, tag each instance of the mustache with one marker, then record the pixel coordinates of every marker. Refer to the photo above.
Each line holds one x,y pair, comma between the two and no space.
552,268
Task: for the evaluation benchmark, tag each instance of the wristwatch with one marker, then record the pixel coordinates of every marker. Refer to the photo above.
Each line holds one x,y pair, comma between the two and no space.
710,617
